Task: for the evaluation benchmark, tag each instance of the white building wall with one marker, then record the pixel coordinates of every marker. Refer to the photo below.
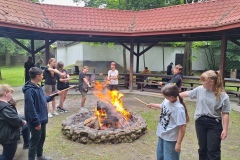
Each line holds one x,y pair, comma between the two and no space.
153,57
70,54
103,53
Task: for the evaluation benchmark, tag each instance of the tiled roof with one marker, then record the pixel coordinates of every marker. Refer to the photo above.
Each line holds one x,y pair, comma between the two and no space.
209,16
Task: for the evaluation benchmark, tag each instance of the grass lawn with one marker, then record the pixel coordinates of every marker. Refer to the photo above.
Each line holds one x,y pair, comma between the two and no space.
60,148
12,75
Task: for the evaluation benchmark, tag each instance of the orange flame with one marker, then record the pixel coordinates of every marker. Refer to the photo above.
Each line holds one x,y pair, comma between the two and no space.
107,96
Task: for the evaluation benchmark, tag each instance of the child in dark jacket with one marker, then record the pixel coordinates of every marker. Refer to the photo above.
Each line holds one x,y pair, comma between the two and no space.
36,113
10,123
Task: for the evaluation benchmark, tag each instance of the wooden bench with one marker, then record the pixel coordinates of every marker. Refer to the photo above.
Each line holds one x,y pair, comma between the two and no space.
185,88
142,84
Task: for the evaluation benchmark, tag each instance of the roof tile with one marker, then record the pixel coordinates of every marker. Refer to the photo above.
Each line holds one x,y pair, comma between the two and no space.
55,17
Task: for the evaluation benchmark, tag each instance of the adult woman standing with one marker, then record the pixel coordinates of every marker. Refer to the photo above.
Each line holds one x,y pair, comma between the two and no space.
10,123
50,75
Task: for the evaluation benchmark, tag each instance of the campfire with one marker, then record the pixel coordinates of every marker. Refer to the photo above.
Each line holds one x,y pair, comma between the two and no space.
108,122
109,112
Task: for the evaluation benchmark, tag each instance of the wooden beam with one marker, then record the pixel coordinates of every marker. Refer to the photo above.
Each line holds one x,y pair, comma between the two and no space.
131,65
234,41
149,47
41,48
223,55
32,50
125,46
137,64
47,50
17,42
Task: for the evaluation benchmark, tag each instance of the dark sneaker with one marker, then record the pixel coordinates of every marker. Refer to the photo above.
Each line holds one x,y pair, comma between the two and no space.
25,146
43,157
59,109
64,110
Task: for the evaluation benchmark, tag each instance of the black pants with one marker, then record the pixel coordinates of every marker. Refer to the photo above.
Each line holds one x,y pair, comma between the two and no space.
26,135
208,133
9,151
36,142
113,87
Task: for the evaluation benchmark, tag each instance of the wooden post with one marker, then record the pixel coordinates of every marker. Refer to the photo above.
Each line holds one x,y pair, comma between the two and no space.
47,50
131,66
223,56
32,50
138,56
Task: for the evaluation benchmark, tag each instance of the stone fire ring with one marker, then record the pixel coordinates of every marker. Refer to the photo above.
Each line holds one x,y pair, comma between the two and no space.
73,128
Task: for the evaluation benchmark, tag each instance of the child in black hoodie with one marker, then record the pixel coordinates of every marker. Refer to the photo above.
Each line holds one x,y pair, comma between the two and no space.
36,113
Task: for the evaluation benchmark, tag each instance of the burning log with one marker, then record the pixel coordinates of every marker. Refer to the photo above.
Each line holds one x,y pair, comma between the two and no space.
92,122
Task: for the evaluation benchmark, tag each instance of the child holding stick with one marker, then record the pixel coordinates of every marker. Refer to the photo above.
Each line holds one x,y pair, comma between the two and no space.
172,123
36,113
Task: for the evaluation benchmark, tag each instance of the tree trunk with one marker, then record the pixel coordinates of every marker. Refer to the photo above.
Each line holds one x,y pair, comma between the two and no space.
7,59
187,62
0,74
124,60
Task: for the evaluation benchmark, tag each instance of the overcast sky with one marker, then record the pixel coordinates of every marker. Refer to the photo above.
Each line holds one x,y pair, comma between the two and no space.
62,2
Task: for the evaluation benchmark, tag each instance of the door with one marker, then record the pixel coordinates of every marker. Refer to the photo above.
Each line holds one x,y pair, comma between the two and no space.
179,59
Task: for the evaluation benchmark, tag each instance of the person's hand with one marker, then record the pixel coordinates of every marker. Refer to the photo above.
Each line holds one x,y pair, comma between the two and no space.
160,83
101,74
38,127
150,105
63,74
224,134
178,147
24,122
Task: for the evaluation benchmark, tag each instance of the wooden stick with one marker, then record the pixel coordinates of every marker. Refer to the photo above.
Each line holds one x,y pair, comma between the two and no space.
157,94
62,90
144,103
140,101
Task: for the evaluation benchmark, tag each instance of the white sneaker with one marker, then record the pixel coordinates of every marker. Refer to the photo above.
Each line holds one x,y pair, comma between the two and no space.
50,115
55,113
84,109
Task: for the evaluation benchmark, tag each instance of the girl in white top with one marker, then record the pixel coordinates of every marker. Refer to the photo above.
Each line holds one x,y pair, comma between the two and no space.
172,123
212,106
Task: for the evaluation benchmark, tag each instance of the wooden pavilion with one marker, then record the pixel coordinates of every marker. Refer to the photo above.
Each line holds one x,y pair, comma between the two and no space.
204,21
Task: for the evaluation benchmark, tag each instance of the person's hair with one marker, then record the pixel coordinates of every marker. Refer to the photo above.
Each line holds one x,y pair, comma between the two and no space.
85,67
146,67
171,89
50,60
60,65
34,71
5,88
171,63
29,58
179,67
217,79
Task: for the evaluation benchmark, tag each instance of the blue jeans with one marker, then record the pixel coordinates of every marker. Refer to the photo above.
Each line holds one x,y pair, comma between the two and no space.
166,150
9,151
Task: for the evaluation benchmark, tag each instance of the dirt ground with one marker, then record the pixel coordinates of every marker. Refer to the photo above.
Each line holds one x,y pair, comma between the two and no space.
60,148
